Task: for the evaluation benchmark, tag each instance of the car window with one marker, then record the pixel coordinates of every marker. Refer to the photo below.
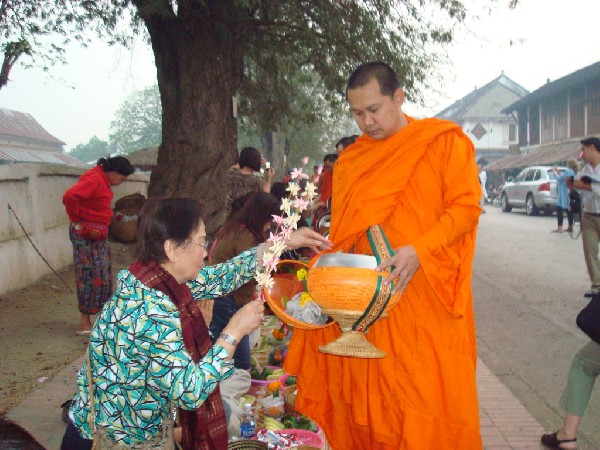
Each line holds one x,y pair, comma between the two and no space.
521,175
551,175
538,175
530,174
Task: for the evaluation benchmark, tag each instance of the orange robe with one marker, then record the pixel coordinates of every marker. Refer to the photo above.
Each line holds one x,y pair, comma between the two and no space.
325,187
421,185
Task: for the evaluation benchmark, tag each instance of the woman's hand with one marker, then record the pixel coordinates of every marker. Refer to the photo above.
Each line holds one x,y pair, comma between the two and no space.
318,204
206,308
305,237
270,174
246,320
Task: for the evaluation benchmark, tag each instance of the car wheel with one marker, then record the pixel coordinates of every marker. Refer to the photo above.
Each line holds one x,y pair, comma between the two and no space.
504,204
530,207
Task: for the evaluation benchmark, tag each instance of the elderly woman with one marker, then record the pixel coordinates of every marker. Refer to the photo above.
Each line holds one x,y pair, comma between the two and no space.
88,206
150,348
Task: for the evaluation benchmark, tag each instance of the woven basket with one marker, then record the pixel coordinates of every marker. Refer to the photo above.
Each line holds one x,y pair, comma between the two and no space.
286,285
247,444
124,231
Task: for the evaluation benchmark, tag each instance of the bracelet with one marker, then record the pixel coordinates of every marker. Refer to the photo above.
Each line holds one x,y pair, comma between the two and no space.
229,339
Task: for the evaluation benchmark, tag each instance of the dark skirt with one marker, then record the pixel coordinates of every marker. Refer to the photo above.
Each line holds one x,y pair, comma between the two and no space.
93,272
72,440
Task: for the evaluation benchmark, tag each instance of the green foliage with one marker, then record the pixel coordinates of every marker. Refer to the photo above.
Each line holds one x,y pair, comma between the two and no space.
137,122
137,125
92,151
280,42
285,41
312,127
26,25
314,140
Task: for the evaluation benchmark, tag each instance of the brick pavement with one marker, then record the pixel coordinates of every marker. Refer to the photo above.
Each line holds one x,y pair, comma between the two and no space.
505,423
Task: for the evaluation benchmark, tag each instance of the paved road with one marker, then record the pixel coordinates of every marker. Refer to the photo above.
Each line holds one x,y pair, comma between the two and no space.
528,285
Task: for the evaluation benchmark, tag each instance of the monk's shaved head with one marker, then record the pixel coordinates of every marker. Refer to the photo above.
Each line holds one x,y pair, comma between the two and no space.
384,74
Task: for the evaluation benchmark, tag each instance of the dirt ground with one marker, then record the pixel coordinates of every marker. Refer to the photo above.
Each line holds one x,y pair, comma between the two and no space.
38,330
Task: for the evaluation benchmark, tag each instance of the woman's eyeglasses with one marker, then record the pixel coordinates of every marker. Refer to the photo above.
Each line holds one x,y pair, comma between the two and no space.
205,245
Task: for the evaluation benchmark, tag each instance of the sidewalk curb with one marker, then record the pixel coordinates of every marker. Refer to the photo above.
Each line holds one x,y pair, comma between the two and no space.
505,423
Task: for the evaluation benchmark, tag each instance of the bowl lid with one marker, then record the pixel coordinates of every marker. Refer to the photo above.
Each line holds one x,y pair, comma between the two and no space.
346,260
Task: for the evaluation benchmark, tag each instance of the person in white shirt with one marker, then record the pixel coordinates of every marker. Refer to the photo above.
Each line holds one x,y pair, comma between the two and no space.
482,181
587,181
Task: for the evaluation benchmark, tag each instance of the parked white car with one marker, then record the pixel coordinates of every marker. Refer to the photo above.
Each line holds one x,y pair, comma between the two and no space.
534,189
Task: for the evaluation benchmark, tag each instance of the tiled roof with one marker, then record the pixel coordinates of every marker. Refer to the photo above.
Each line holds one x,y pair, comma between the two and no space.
20,124
13,155
502,89
576,78
542,155
144,157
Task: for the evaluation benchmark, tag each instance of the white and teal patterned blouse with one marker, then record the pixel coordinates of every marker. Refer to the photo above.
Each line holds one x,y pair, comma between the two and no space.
139,362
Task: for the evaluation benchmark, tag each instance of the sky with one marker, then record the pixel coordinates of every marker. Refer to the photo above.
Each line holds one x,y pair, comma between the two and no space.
539,40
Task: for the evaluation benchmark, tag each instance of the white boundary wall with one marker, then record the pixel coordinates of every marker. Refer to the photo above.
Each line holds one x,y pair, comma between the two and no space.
35,193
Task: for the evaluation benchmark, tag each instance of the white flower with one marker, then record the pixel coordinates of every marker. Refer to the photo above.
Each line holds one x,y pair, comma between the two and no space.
277,247
286,206
292,220
264,280
270,260
311,191
286,223
293,189
286,232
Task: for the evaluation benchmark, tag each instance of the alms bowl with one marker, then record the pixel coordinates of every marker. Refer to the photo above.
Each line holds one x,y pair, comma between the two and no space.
344,281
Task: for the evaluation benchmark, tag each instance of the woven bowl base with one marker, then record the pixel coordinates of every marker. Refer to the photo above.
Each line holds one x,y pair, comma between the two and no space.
353,344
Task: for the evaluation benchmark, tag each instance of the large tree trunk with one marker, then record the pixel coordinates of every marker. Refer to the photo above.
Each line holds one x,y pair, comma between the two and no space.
199,70
274,143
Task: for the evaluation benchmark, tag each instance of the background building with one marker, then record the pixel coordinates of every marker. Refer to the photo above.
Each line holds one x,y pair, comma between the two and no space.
23,139
553,119
480,116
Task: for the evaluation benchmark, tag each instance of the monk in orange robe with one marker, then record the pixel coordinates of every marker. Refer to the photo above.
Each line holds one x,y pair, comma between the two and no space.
418,180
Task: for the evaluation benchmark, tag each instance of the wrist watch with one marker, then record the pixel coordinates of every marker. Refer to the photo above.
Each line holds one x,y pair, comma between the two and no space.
229,339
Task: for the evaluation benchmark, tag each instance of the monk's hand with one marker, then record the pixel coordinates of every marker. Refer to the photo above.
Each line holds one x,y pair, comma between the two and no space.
406,263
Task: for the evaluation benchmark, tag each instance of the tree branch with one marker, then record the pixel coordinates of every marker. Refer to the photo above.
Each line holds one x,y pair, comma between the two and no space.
12,52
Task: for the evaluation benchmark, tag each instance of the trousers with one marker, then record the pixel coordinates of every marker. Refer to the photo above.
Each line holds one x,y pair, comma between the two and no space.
223,311
584,370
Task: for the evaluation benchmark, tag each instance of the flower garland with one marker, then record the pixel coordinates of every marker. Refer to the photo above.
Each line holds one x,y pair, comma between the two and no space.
292,209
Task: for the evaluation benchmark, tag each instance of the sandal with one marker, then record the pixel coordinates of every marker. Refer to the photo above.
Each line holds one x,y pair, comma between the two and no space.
551,440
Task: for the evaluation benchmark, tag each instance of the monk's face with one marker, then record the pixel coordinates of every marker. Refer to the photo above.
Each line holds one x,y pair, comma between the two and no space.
378,116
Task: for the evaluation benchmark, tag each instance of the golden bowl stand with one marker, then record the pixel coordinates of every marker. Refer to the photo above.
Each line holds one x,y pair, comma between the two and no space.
350,343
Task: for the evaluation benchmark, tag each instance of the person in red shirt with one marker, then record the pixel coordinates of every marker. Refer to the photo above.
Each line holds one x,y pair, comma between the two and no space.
324,187
88,205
